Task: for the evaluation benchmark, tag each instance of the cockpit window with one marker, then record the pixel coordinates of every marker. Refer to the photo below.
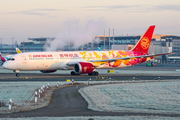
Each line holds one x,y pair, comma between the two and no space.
10,59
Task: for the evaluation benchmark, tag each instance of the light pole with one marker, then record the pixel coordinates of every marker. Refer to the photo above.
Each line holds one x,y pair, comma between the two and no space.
109,38
1,42
153,51
124,44
12,43
104,39
152,48
113,36
69,37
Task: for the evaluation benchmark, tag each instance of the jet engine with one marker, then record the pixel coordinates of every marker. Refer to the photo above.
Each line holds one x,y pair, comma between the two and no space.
142,60
48,71
83,67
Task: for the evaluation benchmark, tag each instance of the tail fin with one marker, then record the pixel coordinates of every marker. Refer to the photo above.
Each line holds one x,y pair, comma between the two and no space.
18,51
2,58
144,43
99,49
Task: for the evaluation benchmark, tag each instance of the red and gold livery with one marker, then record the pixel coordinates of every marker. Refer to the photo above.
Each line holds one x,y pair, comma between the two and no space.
83,62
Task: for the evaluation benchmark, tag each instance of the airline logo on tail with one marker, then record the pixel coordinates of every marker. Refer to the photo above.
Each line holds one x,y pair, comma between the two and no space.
145,43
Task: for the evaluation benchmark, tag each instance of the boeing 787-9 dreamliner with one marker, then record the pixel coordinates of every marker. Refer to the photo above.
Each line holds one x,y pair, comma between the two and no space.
82,62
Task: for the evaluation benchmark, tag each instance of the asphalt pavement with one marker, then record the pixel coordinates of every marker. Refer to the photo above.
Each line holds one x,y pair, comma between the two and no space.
68,102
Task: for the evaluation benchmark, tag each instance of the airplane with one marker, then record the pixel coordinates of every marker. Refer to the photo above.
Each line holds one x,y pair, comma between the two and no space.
82,62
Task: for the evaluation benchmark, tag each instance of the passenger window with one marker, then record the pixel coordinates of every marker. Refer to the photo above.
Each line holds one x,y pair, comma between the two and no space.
12,59
9,59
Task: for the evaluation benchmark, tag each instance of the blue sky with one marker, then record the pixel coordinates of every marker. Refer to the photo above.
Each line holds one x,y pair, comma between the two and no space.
21,19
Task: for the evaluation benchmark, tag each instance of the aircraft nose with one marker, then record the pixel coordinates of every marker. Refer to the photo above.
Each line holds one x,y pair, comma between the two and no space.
5,65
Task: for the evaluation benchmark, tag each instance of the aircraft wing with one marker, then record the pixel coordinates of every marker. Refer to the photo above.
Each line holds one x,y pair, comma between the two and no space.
130,57
121,58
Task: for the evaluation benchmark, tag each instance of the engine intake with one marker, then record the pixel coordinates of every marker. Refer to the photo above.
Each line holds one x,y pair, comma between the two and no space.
83,67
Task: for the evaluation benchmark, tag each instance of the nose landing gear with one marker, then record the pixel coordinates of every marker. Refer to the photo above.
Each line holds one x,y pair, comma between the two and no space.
17,73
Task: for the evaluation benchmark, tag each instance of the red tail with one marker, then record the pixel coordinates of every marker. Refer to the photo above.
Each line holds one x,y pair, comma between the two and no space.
143,44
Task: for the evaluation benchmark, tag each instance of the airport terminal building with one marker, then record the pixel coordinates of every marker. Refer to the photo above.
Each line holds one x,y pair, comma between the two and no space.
159,44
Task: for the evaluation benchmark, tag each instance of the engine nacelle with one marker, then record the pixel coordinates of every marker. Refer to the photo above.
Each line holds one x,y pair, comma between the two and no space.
142,60
48,71
83,67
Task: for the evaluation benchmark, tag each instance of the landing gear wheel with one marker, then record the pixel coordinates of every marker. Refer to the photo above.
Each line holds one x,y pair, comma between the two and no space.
73,73
93,73
89,74
17,74
97,73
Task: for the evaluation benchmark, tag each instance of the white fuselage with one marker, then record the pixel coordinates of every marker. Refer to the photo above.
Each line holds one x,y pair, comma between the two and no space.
56,60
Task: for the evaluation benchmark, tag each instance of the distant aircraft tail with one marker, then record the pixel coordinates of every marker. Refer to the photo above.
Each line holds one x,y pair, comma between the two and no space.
3,59
0,55
99,49
18,51
143,44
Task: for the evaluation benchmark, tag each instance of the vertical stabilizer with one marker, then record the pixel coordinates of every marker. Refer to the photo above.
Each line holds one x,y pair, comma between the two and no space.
2,58
0,55
18,51
143,44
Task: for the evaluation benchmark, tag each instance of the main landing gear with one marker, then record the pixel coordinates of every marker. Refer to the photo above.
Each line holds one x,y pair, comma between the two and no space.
73,73
95,73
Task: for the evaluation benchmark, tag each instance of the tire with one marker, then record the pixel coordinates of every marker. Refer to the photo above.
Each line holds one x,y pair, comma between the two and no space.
73,73
94,73
97,73
17,74
90,74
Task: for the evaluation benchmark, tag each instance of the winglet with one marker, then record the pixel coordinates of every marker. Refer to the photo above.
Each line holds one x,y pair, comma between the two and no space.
143,44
